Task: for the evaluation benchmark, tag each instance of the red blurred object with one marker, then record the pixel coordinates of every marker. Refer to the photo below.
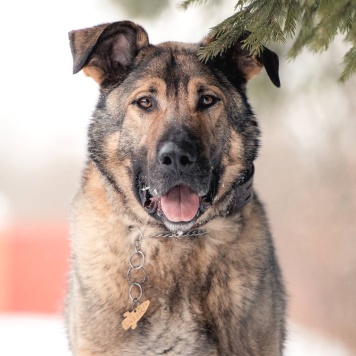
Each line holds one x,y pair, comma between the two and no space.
34,260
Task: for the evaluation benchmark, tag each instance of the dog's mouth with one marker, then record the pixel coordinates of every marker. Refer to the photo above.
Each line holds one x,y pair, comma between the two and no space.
180,204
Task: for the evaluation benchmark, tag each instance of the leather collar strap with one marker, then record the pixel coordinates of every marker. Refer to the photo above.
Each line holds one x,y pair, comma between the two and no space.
243,192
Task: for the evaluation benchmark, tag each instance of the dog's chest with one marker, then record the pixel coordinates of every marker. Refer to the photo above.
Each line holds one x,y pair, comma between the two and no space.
177,288
168,333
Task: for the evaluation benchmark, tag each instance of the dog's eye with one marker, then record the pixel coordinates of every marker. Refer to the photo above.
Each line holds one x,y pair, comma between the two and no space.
144,103
205,101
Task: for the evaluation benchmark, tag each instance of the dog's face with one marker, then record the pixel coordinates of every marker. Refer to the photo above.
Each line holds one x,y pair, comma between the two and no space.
173,136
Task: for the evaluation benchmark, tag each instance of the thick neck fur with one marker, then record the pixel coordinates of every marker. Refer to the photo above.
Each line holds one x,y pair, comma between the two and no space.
221,268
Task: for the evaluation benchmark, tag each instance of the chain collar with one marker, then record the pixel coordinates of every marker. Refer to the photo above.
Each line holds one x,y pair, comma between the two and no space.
137,262
189,233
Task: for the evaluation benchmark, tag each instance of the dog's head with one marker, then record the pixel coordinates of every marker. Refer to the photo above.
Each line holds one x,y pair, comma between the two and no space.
173,136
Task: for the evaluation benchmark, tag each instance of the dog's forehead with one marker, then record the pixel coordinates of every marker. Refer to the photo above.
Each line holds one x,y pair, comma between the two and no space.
173,56
172,68
174,63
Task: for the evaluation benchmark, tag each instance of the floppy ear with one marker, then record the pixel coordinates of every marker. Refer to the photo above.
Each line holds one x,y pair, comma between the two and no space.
240,66
106,52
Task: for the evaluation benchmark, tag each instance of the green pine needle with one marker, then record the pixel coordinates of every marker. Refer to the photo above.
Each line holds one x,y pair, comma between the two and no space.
349,64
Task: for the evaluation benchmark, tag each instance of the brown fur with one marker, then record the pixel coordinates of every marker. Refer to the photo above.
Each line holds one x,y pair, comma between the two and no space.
215,294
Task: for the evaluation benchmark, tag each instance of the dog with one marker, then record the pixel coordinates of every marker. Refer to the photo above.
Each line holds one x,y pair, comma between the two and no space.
171,251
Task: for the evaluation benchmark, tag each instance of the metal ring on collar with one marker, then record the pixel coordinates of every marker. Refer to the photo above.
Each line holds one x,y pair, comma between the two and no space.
137,285
142,262
129,275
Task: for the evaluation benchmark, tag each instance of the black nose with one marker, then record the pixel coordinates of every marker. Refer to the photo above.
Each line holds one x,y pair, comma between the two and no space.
178,157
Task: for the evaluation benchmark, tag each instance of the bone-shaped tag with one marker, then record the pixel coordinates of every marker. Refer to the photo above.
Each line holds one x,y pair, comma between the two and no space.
131,318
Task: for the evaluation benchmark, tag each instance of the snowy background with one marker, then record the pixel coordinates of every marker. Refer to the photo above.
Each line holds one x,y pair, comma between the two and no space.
43,336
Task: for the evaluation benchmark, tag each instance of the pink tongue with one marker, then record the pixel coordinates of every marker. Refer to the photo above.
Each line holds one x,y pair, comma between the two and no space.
180,204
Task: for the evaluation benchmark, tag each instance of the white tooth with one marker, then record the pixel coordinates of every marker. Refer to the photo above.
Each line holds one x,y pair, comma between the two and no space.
155,190
146,188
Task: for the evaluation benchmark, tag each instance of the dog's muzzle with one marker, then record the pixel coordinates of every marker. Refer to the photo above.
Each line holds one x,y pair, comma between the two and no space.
185,184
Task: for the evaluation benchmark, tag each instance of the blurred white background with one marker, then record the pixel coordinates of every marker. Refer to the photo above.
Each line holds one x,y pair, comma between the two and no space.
306,171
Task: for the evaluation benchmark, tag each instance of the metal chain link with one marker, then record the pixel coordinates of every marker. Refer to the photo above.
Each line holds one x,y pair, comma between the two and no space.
136,289
181,234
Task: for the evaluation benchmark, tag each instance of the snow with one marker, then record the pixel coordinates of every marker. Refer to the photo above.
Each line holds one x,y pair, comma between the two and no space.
304,342
44,335
32,335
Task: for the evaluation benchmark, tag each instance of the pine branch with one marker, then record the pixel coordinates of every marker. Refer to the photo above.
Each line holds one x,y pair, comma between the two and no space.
313,24
349,64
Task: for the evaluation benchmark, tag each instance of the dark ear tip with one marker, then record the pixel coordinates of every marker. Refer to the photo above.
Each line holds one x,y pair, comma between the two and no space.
276,82
76,68
273,75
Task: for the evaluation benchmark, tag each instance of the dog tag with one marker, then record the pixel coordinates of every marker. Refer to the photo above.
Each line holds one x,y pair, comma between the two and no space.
131,318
